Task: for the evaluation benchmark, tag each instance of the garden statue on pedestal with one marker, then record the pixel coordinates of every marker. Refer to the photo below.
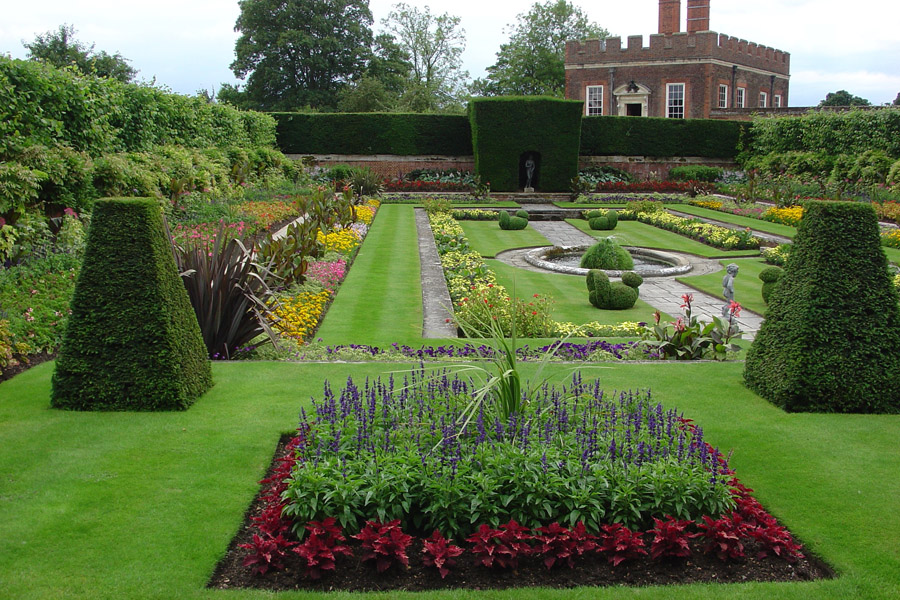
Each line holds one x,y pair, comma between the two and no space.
529,173
731,272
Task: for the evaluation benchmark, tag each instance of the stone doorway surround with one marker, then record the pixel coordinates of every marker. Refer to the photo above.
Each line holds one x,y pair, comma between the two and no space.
632,93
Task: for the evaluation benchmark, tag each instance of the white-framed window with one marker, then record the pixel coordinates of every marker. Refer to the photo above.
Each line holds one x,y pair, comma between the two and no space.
763,100
741,94
593,106
723,95
675,100
777,101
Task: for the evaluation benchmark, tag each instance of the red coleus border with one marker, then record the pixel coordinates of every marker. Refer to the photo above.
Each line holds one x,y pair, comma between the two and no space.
554,544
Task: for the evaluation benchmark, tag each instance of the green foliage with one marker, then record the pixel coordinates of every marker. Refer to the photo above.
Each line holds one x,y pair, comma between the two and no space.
533,61
365,182
692,339
374,133
606,254
695,173
872,166
515,223
852,132
602,220
843,98
434,45
831,338
60,49
627,136
769,276
505,128
295,54
612,296
19,187
40,104
68,181
367,95
132,342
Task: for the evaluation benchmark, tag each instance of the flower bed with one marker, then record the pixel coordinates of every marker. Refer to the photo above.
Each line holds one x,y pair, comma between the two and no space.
402,185
720,237
789,215
575,480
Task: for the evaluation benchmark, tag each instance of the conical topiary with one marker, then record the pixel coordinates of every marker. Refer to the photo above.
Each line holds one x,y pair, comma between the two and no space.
132,342
831,338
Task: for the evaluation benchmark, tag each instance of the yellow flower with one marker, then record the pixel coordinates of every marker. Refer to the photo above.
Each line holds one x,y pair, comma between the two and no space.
342,241
298,316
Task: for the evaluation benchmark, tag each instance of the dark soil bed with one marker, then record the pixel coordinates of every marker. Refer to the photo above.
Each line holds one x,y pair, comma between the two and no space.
351,574
25,363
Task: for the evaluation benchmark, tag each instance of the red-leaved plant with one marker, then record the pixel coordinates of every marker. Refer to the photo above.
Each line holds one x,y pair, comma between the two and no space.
386,543
440,552
267,552
671,538
557,544
270,520
761,526
723,536
325,541
620,543
502,546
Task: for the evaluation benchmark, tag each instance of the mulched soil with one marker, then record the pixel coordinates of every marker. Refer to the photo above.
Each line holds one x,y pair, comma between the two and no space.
353,575
25,363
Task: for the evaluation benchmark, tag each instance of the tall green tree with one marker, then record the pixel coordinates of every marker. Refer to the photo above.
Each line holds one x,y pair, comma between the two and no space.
843,98
434,44
296,53
897,100
533,61
60,49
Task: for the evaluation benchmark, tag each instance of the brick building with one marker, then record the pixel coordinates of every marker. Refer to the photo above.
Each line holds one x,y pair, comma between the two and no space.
691,74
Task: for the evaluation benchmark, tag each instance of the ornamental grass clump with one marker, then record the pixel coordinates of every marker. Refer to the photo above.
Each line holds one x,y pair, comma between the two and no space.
407,449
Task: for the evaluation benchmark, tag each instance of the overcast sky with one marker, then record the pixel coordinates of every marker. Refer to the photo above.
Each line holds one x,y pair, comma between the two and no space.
187,45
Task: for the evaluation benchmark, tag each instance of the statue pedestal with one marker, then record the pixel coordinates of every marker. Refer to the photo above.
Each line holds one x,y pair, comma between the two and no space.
529,190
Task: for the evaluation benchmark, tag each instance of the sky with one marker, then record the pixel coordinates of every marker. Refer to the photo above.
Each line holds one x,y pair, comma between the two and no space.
187,45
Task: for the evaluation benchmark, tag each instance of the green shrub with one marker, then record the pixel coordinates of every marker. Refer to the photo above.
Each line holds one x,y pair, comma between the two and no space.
517,223
373,133
831,338
132,342
658,137
695,173
612,296
522,214
606,254
504,219
769,276
872,166
893,177
599,224
506,128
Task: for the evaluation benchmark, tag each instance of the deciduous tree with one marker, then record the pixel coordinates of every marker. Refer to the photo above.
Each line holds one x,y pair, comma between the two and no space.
843,98
60,49
434,44
296,53
533,61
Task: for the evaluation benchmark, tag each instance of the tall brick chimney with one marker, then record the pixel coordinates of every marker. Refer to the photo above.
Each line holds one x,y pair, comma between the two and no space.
697,15
670,16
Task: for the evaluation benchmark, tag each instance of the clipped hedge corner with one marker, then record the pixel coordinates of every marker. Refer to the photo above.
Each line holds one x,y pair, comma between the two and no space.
831,338
132,342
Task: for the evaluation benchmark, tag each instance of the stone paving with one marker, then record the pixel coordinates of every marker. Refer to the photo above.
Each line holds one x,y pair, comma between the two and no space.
436,303
662,293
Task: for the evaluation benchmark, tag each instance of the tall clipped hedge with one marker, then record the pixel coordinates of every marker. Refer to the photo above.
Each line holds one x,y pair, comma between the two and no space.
132,341
831,338
373,133
650,136
504,128
829,132
40,104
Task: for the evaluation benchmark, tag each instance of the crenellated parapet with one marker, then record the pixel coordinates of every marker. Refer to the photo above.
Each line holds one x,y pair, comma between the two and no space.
679,46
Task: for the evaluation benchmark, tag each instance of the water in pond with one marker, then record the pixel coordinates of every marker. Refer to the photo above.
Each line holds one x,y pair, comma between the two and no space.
641,263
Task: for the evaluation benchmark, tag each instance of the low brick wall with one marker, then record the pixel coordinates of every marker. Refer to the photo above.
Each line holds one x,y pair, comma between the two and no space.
393,166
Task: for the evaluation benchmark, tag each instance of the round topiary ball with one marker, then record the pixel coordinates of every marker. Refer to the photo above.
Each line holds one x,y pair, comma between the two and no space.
622,297
516,223
769,277
607,255
599,224
522,214
504,219
632,279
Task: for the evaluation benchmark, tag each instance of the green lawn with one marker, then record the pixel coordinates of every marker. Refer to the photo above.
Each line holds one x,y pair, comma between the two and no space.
486,237
142,505
570,296
380,301
635,233
755,224
747,286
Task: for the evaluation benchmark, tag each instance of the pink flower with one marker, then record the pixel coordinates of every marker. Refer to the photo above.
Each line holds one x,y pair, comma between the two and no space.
734,308
679,325
69,212
688,298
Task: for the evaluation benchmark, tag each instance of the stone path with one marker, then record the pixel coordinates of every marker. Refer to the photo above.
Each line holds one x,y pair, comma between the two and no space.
435,295
662,293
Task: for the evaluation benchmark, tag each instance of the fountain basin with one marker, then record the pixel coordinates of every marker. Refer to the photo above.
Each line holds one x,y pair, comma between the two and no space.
648,263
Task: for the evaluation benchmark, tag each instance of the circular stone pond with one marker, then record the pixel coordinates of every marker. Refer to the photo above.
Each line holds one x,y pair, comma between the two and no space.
647,262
